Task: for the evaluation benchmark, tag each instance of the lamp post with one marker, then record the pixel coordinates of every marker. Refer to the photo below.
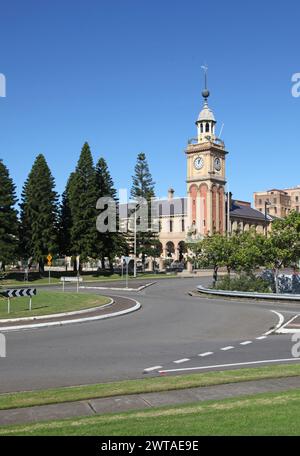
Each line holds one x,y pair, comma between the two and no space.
267,203
134,245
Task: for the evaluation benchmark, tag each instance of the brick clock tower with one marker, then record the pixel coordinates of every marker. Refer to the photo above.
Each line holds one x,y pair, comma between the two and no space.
206,176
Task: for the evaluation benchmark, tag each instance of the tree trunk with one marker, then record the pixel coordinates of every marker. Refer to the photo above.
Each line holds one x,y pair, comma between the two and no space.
74,264
41,266
215,275
276,272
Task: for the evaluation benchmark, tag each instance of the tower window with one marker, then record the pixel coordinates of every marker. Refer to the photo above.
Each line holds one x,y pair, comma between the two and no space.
201,128
207,128
171,226
182,225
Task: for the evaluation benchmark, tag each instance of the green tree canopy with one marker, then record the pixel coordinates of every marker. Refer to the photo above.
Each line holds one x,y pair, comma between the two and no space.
143,187
39,214
82,198
109,244
8,218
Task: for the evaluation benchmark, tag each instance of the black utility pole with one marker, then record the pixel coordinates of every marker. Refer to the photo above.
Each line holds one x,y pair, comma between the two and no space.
267,203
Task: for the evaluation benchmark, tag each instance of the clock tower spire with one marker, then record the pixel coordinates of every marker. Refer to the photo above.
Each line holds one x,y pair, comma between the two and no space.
206,174
206,120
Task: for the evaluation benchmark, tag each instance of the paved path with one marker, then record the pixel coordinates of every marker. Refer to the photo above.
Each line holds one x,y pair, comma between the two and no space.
171,326
143,401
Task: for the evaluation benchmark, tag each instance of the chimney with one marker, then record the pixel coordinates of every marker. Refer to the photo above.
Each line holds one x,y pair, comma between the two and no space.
170,193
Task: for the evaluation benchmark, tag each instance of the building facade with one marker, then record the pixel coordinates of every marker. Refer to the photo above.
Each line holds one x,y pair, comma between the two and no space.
278,203
204,209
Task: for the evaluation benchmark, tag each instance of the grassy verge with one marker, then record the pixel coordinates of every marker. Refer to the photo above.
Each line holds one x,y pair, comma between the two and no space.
147,385
260,414
46,302
86,278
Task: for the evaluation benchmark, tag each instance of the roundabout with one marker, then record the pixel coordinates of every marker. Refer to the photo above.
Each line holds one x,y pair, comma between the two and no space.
172,331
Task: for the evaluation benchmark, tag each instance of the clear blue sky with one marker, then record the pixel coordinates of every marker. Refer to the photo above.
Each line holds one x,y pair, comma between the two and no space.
125,75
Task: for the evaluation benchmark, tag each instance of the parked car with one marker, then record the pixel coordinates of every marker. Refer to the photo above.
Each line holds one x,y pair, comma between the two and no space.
176,266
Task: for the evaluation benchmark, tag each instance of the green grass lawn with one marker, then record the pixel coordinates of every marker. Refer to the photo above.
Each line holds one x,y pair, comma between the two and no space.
86,278
260,414
146,385
46,302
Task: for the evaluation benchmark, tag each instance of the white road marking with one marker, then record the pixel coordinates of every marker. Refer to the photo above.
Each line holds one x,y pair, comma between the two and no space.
281,321
261,337
150,369
230,347
206,354
247,342
179,361
284,330
265,361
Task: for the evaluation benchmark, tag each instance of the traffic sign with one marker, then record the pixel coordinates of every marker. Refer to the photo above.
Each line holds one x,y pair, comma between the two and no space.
19,292
127,259
49,258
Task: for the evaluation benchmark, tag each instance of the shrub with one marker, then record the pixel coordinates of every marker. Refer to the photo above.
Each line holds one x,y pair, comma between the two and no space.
244,283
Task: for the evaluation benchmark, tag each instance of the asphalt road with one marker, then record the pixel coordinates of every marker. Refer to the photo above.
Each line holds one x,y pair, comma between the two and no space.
172,331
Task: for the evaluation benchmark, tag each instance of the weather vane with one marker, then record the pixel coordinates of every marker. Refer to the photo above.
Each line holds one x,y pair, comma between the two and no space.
205,92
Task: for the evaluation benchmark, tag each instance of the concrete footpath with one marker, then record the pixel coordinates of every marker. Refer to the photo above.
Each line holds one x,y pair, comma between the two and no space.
143,401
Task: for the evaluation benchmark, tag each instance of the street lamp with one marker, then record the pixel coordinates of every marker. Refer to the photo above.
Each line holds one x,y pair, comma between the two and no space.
134,245
267,203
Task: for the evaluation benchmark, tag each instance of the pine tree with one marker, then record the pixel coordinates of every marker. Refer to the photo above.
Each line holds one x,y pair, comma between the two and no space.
65,221
143,187
8,218
109,244
82,197
142,182
39,213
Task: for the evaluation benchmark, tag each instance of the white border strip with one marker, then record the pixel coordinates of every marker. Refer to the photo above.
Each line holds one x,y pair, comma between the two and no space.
137,306
118,288
266,361
57,315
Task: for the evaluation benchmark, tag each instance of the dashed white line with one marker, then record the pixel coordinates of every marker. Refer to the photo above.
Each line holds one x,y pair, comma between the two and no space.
230,347
247,342
206,354
184,360
261,337
150,369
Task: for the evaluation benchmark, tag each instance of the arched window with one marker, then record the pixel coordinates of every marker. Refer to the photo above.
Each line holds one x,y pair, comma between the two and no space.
207,128
201,128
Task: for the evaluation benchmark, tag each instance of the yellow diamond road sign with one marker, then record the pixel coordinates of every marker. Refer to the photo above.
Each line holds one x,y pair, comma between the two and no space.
49,258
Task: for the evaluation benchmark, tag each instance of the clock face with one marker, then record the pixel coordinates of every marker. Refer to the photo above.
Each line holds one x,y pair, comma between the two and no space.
198,163
217,164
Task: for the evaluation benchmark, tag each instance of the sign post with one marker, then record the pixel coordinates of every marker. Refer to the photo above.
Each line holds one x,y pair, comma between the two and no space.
49,259
127,259
76,279
19,293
